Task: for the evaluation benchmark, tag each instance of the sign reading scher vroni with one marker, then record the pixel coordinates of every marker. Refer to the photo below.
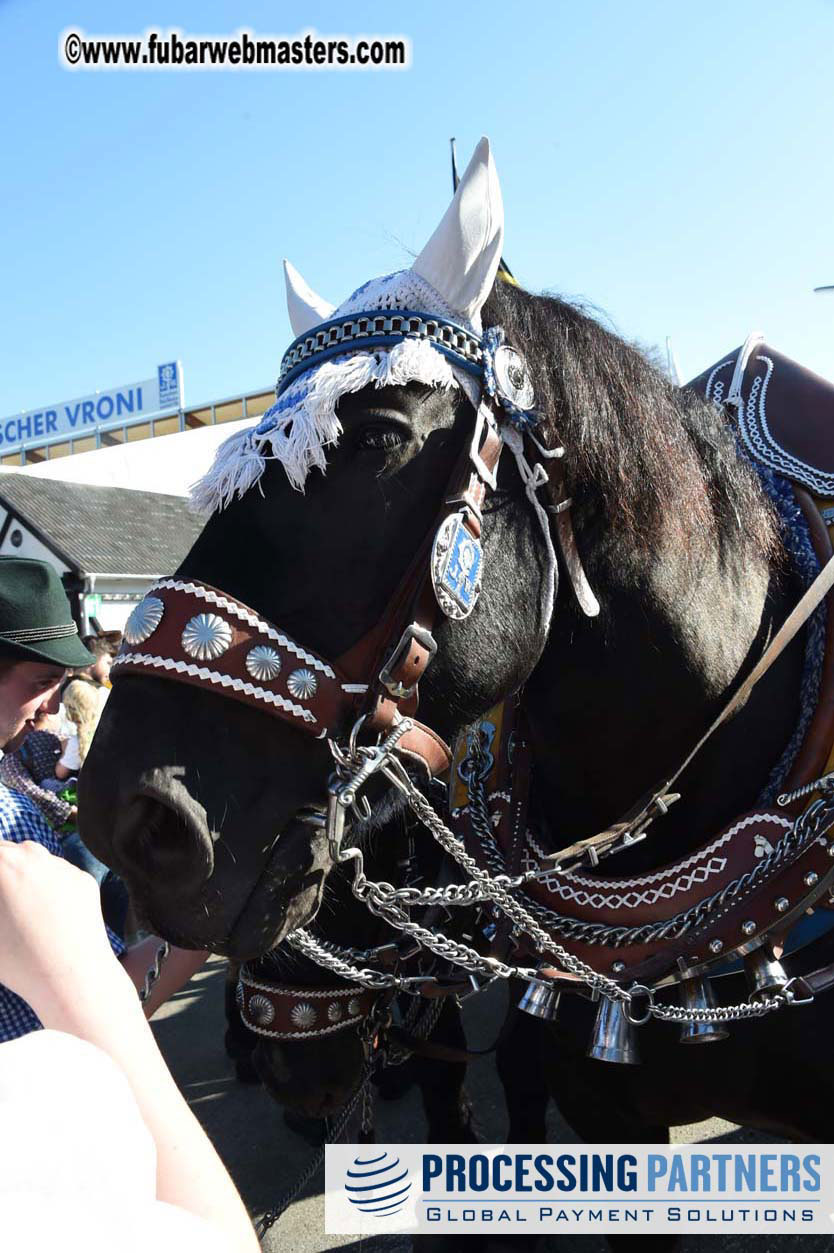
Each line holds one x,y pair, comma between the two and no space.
80,417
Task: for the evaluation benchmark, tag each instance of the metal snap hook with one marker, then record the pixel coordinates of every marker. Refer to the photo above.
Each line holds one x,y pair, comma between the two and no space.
354,735
790,996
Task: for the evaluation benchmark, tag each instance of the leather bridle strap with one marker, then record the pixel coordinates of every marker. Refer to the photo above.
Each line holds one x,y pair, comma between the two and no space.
814,983
191,632
208,639
400,647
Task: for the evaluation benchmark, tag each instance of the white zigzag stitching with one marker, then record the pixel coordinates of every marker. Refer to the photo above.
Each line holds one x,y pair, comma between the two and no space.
631,900
756,432
710,392
302,1035
214,676
666,889
174,585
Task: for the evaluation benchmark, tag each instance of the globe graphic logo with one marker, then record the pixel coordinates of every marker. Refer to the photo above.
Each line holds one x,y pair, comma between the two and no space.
377,1184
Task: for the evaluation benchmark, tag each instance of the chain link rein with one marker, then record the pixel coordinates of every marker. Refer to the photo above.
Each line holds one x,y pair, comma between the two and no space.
387,902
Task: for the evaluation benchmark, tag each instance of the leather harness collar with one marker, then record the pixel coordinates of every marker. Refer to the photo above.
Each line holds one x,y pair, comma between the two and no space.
682,918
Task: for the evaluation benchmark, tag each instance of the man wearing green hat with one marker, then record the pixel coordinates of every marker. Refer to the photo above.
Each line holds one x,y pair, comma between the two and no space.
39,642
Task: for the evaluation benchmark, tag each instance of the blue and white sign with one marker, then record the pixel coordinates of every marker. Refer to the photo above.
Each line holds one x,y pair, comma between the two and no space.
464,1189
75,418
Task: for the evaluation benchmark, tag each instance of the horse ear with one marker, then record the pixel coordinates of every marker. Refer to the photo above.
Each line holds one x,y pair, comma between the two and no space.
461,258
305,308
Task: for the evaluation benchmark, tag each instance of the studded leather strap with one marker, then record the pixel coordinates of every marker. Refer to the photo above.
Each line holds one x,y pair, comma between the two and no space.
294,1013
192,632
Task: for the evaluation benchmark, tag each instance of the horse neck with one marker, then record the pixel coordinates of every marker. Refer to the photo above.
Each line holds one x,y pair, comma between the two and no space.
617,702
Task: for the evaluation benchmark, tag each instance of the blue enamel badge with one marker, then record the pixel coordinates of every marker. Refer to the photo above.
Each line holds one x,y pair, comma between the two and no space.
456,562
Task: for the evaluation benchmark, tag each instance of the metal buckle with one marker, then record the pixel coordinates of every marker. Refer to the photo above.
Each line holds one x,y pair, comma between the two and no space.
412,632
483,418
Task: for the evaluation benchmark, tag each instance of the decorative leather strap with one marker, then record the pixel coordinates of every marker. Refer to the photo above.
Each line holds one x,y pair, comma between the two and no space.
293,1013
192,632
630,927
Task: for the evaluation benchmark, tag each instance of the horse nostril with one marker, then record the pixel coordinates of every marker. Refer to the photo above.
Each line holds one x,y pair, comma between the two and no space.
155,842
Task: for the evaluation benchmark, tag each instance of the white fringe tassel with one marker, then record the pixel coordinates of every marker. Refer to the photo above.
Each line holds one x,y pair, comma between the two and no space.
304,422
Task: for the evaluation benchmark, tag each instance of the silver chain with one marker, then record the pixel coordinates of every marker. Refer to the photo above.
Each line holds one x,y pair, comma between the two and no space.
155,970
810,825
388,902
314,1165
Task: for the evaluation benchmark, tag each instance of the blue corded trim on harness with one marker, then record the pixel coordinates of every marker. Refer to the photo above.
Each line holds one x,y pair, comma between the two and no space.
797,541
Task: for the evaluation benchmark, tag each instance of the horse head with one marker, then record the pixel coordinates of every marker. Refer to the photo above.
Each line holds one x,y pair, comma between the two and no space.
307,593
203,803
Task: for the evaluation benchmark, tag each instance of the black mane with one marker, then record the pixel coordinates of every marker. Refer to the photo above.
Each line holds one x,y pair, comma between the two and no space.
654,459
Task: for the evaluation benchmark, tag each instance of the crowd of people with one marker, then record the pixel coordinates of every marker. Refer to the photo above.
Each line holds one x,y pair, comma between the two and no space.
79,1067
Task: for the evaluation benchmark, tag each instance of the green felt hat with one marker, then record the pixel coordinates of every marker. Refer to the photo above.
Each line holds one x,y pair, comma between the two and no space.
35,618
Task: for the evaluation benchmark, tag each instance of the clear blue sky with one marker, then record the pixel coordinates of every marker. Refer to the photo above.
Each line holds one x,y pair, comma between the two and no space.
670,163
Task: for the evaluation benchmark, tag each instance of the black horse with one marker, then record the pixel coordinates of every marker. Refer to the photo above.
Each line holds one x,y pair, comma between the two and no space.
684,552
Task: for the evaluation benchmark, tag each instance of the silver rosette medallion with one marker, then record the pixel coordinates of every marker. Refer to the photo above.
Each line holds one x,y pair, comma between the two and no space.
144,620
261,1010
512,378
206,636
263,663
303,1015
302,684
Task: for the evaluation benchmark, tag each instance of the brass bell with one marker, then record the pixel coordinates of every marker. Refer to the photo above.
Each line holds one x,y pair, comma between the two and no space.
765,973
614,1038
540,999
696,993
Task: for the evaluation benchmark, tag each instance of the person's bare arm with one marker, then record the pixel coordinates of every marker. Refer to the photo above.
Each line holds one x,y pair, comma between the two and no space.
68,974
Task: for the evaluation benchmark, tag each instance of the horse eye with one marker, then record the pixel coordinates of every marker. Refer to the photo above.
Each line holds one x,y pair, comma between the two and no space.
380,436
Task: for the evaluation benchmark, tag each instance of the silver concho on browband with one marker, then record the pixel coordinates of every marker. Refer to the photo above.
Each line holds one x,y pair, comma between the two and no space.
261,1009
302,684
206,636
303,1015
144,620
263,663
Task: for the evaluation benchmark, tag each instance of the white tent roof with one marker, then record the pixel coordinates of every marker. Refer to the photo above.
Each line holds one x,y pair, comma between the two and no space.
169,464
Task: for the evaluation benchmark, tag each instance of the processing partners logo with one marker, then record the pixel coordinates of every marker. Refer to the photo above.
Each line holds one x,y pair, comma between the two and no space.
461,1189
377,1184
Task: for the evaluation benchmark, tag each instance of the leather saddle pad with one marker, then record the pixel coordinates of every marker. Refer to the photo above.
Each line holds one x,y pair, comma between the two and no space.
784,413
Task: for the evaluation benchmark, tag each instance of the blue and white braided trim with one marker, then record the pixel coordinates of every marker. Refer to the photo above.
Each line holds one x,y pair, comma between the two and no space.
797,540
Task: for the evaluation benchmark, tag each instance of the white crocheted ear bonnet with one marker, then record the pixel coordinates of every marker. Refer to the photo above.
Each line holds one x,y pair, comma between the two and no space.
417,325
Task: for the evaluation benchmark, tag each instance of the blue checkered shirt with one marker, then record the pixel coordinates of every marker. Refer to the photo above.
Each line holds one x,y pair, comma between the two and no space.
20,820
